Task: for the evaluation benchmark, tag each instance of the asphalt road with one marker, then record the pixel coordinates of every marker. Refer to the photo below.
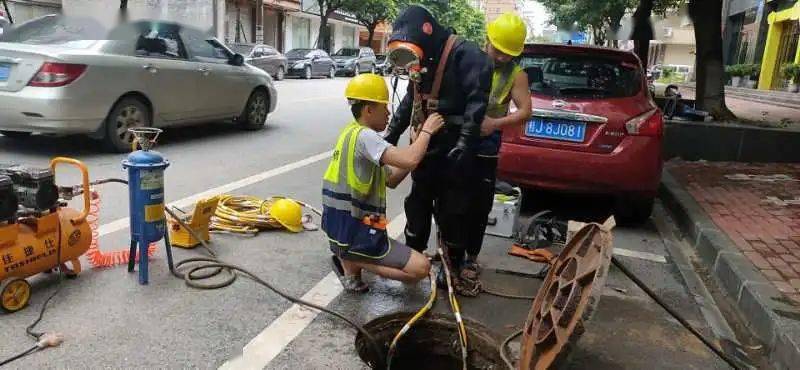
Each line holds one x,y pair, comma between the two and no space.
109,321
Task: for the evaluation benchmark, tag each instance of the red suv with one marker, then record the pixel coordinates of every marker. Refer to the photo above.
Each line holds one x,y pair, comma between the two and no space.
594,128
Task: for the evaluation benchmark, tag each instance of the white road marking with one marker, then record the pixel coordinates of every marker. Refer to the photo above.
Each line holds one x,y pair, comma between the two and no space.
274,338
640,255
123,223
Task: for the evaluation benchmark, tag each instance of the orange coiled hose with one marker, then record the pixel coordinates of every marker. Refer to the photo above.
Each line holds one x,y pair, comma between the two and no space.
97,257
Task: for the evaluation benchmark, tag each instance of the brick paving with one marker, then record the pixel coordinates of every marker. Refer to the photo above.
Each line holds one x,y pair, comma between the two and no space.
758,206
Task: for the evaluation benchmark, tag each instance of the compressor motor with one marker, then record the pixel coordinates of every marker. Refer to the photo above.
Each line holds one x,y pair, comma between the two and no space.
8,200
35,188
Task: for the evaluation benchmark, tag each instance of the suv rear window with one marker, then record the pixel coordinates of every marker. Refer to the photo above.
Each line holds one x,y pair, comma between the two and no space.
581,76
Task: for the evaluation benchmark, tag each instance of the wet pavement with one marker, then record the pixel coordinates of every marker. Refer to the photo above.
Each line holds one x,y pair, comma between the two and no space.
109,321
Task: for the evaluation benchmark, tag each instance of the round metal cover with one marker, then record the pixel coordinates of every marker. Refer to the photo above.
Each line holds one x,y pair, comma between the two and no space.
567,298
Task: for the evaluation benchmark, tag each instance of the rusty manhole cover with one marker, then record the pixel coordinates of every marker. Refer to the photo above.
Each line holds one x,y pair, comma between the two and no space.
568,297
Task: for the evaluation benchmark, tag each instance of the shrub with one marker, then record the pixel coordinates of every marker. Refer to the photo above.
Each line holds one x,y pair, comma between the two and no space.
792,72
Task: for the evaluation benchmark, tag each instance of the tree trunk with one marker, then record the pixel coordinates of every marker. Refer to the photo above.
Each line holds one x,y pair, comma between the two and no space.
371,31
642,30
123,10
322,38
710,74
8,12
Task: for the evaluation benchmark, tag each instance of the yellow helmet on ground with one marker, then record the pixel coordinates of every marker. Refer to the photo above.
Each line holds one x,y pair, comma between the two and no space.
507,33
288,213
367,87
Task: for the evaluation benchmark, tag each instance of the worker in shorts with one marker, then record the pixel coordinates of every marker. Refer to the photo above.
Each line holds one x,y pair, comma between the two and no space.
354,189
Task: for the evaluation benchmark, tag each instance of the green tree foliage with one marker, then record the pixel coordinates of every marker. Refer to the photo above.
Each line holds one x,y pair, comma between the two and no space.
370,13
595,16
467,21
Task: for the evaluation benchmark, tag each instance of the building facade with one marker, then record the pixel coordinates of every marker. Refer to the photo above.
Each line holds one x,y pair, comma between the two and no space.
493,8
674,42
25,10
782,43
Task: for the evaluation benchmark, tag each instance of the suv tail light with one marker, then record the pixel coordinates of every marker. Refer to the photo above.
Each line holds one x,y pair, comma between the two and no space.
57,74
647,124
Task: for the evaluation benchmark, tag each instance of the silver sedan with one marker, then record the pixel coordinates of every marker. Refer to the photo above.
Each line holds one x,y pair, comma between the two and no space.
55,79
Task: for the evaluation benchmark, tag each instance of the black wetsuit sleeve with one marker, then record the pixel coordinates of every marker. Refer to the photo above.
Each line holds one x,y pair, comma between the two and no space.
401,118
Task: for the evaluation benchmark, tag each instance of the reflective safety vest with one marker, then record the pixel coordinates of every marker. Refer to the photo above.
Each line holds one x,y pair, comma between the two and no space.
352,189
499,102
500,97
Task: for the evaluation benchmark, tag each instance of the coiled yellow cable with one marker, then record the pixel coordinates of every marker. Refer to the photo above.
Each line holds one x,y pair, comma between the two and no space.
244,214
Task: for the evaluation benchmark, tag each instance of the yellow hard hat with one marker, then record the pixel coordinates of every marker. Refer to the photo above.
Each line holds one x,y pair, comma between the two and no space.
367,87
507,33
288,213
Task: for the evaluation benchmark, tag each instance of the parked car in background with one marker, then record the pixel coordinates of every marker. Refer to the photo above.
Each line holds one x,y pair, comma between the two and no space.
307,63
265,57
58,76
594,128
354,61
381,64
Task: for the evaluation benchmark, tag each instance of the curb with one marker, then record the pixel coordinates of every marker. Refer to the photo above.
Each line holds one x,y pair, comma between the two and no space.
768,315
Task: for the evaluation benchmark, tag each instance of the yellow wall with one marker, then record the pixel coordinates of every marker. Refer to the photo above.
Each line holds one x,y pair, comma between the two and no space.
778,23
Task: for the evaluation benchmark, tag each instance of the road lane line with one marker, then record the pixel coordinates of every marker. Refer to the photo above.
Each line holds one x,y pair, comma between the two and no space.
123,223
640,255
268,344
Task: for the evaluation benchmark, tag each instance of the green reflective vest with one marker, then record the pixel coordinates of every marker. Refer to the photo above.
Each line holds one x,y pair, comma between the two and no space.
500,96
352,188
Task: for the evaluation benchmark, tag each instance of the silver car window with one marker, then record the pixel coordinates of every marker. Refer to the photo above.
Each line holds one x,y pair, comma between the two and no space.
204,49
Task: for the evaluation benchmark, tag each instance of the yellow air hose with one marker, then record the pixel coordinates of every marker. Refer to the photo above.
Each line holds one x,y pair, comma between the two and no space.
244,214
427,307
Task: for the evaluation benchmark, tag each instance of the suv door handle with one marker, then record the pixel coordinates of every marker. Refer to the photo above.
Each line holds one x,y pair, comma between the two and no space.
205,71
150,68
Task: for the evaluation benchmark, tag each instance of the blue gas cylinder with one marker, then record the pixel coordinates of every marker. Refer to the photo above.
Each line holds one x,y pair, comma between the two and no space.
146,185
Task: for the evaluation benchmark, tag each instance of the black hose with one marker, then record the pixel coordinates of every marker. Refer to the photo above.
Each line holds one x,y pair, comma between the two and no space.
30,327
504,346
191,278
19,356
722,355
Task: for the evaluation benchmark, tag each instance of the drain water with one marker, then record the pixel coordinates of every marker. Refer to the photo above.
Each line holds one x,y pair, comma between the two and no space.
432,343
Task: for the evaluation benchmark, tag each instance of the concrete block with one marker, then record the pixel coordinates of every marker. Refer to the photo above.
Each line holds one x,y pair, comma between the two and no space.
786,351
733,270
754,302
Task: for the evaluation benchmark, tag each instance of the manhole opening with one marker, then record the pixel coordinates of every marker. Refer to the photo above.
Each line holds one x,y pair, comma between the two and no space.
432,343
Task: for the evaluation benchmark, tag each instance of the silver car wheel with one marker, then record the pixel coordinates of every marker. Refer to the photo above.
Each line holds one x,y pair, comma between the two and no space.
280,75
332,72
258,110
308,73
129,117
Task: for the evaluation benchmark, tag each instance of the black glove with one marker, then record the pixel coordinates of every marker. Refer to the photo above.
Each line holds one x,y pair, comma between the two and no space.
460,156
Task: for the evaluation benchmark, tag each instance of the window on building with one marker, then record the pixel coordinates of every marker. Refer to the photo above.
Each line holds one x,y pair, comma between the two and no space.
301,33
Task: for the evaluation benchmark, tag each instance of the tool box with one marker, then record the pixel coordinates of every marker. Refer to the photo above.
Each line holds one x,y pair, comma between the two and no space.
504,215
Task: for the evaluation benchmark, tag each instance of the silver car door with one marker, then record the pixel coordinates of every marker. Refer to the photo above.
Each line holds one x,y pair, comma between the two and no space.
171,82
214,74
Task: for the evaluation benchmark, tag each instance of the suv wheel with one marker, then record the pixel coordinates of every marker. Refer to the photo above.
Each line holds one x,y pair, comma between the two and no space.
127,113
373,70
633,210
356,70
281,74
332,72
255,113
307,73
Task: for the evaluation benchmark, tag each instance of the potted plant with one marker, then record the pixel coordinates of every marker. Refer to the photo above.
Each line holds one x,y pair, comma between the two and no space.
754,70
736,71
792,72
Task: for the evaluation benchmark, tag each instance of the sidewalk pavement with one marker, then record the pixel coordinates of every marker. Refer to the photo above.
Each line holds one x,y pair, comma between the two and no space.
759,112
744,220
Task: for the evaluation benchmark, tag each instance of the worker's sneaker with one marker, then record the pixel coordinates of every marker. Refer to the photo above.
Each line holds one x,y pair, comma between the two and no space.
354,284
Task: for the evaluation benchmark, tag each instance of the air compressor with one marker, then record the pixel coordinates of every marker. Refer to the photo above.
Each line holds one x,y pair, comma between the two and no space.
38,232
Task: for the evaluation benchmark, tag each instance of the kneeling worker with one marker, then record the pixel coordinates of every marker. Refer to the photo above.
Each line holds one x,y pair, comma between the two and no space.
354,189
